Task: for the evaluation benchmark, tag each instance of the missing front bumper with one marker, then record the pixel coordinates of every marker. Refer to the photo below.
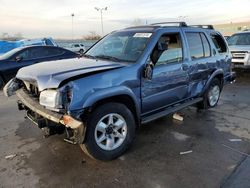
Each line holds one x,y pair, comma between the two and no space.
38,114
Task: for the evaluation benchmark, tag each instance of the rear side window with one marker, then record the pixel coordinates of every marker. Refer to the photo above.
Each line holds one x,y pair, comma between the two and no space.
206,46
219,43
195,45
32,53
53,52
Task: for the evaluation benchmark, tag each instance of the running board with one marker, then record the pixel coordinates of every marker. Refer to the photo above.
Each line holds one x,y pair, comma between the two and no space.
170,110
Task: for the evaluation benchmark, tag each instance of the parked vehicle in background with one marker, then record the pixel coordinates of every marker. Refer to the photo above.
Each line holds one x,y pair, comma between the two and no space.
239,45
77,47
128,78
226,37
17,58
6,46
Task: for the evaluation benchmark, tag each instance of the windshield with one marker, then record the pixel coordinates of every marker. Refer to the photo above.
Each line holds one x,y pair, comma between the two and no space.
7,55
239,39
121,46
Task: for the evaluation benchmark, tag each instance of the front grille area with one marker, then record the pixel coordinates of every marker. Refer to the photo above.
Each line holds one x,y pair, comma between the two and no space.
32,89
239,54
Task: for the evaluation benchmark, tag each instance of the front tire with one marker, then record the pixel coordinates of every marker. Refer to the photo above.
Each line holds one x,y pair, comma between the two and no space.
110,131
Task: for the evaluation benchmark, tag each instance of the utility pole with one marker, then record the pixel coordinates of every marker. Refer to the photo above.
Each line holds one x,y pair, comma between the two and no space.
72,31
101,9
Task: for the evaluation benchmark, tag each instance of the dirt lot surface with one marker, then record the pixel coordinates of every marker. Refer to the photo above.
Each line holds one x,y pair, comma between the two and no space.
154,161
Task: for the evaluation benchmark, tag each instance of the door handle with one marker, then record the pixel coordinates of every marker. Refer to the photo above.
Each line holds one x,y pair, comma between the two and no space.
184,67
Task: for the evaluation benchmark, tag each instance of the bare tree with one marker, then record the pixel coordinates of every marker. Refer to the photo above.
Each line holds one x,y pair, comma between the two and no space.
92,36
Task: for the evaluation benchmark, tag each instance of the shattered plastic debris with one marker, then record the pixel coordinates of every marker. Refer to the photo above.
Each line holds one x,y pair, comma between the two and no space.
122,158
185,152
235,140
10,156
178,117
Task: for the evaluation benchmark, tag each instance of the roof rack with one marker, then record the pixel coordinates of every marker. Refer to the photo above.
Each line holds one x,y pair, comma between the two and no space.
203,26
180,24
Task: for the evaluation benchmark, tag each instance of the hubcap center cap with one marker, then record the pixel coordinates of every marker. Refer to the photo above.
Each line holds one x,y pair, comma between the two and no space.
109,130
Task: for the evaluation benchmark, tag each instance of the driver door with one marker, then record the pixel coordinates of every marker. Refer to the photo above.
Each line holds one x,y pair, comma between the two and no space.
169,83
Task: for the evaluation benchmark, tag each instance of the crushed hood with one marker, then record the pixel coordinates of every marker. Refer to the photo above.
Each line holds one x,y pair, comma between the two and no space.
51,74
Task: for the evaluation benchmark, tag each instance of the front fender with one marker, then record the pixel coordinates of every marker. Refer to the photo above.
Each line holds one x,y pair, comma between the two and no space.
216,73
112,92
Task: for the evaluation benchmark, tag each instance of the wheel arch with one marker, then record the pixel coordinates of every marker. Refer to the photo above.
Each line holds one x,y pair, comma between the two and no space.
124,96
219,74
123,99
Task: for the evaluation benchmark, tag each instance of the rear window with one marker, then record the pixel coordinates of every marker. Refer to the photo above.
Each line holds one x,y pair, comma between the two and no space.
219,43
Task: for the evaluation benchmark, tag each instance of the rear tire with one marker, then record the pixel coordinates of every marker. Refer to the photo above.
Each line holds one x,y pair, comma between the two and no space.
212,95
110,131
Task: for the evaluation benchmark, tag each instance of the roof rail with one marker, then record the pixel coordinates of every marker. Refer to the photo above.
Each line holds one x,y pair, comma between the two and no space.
203,26
180,24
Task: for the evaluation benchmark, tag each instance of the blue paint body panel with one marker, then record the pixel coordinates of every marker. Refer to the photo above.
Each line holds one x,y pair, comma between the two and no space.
94,80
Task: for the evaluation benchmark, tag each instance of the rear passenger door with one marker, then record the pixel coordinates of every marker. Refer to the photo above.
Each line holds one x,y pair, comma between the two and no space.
200,57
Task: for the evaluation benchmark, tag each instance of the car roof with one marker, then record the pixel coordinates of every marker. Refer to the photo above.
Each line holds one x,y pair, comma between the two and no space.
35,46
166,25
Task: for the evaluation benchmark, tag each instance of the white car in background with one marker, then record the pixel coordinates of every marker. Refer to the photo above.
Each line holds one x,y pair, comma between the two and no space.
239,45
77,47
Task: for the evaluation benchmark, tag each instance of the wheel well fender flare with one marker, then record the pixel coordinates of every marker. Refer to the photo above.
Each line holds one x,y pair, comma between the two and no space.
114,93
219,73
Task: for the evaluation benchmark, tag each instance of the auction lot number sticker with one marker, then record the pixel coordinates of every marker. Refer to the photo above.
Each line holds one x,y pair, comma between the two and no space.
142,35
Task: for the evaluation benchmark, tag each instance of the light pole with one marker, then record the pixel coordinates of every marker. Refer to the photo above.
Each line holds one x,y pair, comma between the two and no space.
72,31
101,9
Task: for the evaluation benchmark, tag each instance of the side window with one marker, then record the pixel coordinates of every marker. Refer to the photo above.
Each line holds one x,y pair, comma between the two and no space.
195,45
53,52
31,53
76,45
24,54
36,53
219,43
206,46
173,53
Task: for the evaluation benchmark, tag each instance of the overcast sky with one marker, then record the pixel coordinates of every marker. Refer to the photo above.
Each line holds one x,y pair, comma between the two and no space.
40,18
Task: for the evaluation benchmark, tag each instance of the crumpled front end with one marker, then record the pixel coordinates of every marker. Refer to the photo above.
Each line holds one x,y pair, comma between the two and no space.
50,121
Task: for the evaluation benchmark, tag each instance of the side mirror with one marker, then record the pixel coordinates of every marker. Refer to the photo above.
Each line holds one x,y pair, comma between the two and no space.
18,58
148,71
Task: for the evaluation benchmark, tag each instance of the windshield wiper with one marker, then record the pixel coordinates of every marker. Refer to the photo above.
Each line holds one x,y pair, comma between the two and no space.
108,58
88,56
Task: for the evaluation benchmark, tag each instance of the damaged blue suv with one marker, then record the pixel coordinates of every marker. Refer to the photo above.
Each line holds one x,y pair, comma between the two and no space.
128,78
